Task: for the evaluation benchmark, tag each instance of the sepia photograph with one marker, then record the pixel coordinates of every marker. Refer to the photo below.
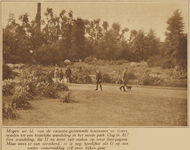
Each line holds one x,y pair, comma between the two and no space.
94,64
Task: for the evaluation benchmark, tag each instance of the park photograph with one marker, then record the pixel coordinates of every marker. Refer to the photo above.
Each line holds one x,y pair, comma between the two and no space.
94,64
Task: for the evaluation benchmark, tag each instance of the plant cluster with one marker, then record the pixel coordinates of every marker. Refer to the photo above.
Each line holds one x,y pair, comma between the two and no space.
67,98
8,73
20,98
9,112
31,83
8,88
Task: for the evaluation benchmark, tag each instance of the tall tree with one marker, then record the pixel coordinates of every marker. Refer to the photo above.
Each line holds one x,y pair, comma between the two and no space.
153,43
175,38
51,30
78,39
105,25
138,45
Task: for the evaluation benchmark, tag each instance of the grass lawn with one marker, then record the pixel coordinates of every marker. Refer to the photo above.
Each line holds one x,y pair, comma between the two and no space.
142,106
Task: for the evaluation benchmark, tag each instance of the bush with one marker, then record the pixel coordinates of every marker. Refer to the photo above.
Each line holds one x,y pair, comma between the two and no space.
20,99
168,64
8,73
107,78
82,76
150,62
31,88
9,112
47,55
61,87
51,91
155,61
8,89
89,59
131,75
68,98
118,62
88,79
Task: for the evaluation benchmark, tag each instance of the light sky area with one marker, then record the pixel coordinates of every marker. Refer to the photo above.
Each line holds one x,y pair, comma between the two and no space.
128,15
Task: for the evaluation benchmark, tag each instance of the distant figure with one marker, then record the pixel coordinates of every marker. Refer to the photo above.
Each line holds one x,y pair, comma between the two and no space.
61,73
98,80
56,73
125,79
49,76
68,74
80,68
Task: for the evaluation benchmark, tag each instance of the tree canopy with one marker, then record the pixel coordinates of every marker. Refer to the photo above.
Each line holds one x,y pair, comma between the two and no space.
63,37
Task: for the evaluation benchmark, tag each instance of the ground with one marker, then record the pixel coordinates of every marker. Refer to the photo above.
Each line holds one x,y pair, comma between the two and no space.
142,106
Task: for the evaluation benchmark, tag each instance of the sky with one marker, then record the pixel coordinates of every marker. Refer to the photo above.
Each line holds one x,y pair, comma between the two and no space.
128,15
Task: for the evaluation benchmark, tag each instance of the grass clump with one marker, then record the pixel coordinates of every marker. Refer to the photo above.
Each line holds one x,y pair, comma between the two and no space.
68,98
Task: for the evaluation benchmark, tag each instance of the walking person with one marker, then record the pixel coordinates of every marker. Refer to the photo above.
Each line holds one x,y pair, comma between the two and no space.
68,75
125,79
98,80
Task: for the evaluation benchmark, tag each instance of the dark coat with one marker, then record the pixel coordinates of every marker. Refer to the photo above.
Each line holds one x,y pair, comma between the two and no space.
98,76
68,72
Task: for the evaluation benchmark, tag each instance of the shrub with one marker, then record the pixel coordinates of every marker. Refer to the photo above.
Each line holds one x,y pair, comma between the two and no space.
8,73
168,63
20,99
82,76
150,62
106,78
31,88
9,112
155,61
61,87
88,79
47,55
40,87
8,88
50,91
89,59
131,75
67,99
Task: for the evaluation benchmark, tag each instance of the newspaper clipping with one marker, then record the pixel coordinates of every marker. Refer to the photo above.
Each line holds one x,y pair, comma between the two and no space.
95,75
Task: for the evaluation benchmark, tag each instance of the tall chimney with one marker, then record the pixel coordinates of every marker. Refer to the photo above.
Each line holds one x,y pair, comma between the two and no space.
38,16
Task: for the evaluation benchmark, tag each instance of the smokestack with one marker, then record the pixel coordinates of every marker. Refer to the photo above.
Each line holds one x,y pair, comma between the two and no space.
38,16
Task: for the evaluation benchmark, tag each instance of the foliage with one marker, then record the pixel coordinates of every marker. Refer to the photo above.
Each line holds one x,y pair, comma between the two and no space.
138,46
89,59
50,91
106,78
8,88
81,78
155,61
63,37
67,98
176,40
168,63
8,73
153,44
149,80
48,55
20,99
9,112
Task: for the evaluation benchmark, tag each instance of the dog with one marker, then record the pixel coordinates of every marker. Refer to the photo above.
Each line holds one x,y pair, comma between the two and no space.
129,88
